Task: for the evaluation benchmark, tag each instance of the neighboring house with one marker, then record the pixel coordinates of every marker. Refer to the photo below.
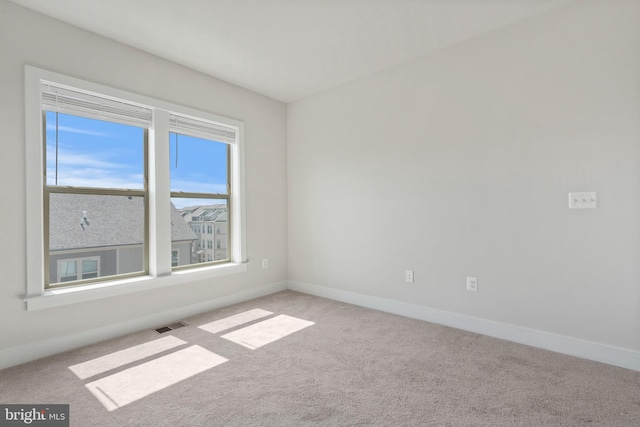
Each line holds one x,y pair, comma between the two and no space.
99,235
209,223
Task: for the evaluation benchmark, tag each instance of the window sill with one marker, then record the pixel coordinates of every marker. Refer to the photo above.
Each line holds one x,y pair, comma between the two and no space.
77,294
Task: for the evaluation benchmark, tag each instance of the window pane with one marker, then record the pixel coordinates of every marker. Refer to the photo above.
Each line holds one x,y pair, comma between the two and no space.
93,153
105,232
198,165
68,270
191,219
89,268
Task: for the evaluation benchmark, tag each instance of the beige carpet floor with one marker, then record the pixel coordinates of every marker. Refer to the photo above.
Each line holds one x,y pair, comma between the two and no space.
291,359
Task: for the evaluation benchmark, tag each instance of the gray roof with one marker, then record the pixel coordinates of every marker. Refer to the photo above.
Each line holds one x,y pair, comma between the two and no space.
214,213
110,221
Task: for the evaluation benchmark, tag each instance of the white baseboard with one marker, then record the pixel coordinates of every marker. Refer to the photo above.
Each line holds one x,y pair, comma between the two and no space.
37,350
616,356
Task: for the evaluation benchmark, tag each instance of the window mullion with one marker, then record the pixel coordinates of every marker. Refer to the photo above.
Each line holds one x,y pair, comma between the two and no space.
159,196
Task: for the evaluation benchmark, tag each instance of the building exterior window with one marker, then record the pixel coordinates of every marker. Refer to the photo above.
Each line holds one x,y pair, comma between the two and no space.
78,269
101,179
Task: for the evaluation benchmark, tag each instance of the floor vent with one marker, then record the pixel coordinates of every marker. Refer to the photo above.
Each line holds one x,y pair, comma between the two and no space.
177,325
170,327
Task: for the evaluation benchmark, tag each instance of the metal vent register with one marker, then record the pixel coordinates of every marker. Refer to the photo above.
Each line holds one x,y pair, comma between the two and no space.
170,327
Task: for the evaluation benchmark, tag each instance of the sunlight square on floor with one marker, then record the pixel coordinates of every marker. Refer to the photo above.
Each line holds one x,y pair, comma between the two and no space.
235,320
267,331
120,358
122,388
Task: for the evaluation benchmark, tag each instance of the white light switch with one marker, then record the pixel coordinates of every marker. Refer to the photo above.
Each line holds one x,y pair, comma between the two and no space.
584,200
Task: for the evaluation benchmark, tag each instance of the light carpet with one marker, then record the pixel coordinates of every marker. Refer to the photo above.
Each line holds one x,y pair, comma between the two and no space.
312,361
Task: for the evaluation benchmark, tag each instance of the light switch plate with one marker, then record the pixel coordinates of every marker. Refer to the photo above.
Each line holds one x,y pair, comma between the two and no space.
583,200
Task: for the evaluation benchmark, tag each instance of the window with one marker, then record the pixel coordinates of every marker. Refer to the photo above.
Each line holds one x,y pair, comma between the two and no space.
78,269
98,187
95,193
200,173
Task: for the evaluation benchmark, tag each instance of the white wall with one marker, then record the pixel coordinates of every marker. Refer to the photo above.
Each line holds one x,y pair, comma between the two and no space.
30,38
459,163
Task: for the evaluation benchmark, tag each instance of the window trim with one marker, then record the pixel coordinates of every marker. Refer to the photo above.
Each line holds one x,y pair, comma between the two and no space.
160,270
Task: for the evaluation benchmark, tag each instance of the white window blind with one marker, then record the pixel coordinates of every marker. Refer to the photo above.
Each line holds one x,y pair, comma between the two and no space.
69,101
202,129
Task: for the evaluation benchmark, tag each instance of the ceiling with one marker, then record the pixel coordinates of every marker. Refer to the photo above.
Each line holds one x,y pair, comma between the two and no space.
290,49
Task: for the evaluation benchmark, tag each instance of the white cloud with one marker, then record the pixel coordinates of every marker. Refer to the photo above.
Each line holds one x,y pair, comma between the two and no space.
91,171
98,169
198,186
82,131
179,202
82,160
94,177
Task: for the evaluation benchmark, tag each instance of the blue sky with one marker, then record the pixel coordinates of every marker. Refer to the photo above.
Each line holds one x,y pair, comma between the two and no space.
93,153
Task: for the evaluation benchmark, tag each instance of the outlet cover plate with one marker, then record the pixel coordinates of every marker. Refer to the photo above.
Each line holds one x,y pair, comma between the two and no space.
408,276
583,200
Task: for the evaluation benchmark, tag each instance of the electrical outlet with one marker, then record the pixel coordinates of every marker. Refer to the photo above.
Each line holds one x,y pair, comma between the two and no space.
265,262
583,200
472,284
408,276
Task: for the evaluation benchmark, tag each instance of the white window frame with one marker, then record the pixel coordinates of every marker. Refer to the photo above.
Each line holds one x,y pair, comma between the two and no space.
160,269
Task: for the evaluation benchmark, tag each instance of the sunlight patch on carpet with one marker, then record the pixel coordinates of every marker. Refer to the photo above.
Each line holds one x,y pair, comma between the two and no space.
267,331
122,388
120,358
235,320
